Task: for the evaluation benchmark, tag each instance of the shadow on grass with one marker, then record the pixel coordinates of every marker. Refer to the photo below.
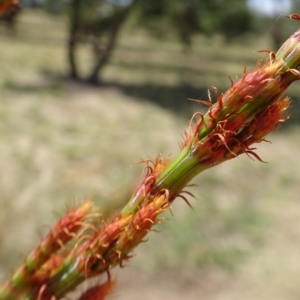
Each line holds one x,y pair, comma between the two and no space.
172,98
210,67
176,98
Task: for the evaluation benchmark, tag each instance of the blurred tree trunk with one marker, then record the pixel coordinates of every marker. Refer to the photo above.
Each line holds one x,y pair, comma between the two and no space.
92,22
75,6
102,51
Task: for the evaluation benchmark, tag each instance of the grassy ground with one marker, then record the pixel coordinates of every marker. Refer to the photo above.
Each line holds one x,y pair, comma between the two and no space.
61,142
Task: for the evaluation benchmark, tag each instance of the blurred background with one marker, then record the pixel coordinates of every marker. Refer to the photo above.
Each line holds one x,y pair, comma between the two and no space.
90,87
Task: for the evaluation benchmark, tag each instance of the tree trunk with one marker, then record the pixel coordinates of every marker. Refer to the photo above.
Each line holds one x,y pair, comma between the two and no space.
103,55
73,37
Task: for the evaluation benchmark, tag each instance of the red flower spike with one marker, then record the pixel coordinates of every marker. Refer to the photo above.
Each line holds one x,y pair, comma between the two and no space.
7,6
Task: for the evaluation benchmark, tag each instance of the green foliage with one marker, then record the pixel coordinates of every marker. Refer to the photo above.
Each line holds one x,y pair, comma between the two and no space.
229,18
234,19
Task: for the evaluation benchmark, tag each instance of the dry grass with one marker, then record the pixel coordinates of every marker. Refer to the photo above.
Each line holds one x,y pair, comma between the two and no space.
61,142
